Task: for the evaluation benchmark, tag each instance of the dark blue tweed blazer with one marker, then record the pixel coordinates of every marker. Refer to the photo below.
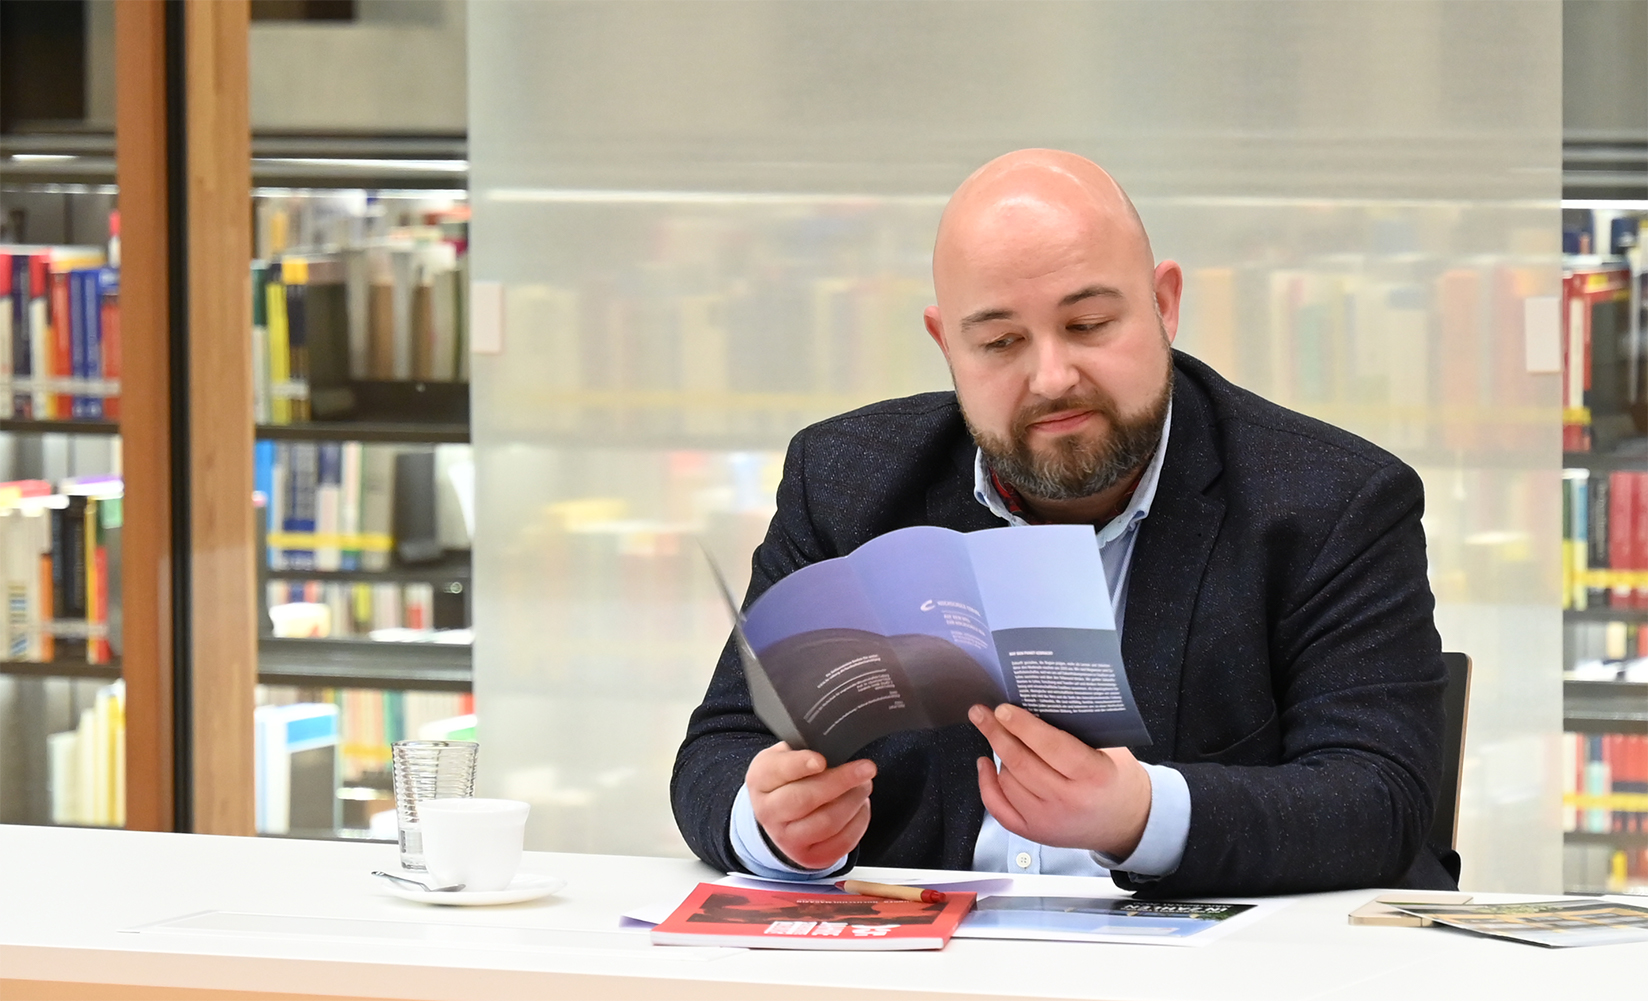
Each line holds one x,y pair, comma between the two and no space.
1278,637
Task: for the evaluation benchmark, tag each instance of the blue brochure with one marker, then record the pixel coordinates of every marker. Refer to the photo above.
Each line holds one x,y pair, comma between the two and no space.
916,626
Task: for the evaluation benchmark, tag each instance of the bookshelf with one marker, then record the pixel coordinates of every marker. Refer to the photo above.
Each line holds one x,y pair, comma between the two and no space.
375,431
359,342
1605,581
60,669
31,426
310,182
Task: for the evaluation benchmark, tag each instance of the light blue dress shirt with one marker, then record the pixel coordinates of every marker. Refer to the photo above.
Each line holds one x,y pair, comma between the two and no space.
998,850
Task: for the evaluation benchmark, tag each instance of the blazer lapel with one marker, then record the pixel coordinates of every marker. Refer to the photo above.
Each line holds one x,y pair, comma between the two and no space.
1169,560
950,500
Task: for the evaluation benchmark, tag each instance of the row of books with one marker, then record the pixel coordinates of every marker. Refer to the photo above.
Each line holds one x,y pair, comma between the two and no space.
294,767
1604,345
691,341
333,610
86,766
59,334
306,751
1605,539
369,720
1606,651
1605,783
60,569
354,506
346,218
394,310
1604,868
1604,357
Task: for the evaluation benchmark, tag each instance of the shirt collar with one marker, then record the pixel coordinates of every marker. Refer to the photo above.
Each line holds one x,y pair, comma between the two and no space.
1136,511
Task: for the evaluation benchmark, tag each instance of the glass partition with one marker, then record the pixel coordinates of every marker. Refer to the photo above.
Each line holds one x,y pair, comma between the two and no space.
699,227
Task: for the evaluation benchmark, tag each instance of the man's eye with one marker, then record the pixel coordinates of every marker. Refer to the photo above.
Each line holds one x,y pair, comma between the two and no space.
1000,343
1088,327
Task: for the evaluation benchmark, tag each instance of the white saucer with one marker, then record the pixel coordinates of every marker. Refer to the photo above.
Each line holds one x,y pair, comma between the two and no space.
523,887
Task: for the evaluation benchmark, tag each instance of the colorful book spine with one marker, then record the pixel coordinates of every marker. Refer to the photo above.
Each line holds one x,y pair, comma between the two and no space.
295,276
108,311
303,475
77,339
63,404
5,333
280,354
328,504
261,411
22,403
349,505
40,335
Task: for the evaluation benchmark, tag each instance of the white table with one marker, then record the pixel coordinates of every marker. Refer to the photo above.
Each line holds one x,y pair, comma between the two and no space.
66,897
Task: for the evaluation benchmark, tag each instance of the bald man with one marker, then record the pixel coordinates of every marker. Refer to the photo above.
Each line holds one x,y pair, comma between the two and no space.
1267,573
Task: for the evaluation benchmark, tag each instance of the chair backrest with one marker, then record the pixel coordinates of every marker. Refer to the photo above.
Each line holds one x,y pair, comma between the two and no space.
1455,699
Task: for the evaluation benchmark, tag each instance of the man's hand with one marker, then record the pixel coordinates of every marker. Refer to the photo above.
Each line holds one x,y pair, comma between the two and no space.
814,815
1056,790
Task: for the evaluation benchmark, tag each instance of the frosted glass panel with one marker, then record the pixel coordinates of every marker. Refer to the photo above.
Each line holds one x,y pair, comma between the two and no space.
712,225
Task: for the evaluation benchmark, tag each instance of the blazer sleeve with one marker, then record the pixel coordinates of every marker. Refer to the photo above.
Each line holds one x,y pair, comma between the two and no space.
1358,678
723,733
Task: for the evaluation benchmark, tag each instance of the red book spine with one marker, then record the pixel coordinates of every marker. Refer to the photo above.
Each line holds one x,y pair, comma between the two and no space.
1639,537
61,344
1617,775
48,642
1640,816
99,612
1631,819
1621,505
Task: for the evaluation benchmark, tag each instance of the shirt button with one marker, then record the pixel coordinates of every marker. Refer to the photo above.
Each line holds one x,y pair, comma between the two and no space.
1023,860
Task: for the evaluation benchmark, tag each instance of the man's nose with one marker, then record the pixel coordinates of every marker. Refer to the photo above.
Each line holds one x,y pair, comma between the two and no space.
1054,374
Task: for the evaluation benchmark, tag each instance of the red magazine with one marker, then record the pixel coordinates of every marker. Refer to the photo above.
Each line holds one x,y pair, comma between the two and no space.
809,918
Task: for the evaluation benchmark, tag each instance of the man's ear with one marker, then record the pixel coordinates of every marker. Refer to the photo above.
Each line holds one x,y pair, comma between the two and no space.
1169,287
935,330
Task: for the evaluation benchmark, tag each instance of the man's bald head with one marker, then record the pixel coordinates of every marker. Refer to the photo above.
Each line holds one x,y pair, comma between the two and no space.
1057,324
1033,199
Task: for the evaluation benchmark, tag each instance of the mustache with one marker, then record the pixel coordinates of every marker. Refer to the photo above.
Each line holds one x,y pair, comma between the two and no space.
1095,401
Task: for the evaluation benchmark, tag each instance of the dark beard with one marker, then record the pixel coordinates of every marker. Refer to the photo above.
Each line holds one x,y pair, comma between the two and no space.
1076,466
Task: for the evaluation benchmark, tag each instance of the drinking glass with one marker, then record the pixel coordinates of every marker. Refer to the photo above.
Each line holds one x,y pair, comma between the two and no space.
425,770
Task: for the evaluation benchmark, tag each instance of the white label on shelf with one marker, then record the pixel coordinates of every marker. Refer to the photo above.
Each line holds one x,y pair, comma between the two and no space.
486,317
1542,333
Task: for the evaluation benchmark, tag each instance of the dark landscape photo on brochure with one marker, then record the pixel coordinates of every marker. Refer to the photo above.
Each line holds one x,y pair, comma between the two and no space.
914,627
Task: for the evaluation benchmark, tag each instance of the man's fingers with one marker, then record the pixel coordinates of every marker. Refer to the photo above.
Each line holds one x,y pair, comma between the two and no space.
827,851
778,765
995,800
1014,755
1063,752
795,800
828,820
1016,791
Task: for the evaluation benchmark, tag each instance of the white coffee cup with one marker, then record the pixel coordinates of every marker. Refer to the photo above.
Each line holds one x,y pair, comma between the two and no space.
476,842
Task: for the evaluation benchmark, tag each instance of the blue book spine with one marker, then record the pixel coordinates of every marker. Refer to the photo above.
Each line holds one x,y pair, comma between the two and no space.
302,478
263,479
91,304
21,347
77,338
328,496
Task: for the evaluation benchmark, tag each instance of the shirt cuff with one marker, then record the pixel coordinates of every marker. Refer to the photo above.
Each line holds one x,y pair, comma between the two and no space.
752,849
1165,831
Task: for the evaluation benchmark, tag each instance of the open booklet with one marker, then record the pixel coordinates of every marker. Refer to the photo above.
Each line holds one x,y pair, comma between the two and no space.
916,626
